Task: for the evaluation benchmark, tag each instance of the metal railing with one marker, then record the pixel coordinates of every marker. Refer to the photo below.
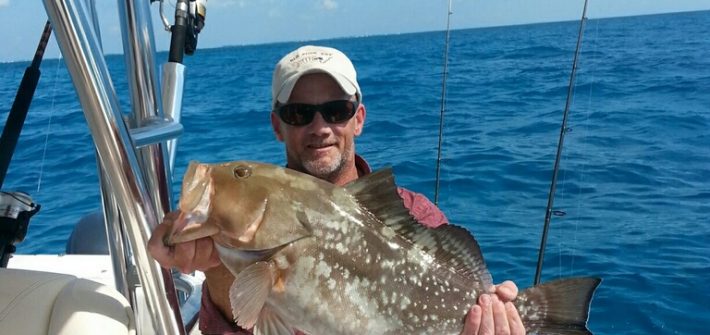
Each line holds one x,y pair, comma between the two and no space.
136,183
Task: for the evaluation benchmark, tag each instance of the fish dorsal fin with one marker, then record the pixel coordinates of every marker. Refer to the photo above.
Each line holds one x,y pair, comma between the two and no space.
377,193
453,246
450,245
249,291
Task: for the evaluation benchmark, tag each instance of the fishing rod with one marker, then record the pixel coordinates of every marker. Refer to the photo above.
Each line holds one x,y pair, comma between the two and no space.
563,130
443,105
21,105
18,207
189,21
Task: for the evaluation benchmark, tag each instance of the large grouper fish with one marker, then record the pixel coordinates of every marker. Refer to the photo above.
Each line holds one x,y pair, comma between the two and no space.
311,256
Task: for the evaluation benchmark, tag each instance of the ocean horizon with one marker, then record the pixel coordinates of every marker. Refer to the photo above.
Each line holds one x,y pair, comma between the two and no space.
28,58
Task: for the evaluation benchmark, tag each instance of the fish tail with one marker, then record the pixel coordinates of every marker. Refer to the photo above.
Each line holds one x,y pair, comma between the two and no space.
557,307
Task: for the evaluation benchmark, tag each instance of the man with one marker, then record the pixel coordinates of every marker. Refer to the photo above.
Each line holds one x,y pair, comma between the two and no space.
317,112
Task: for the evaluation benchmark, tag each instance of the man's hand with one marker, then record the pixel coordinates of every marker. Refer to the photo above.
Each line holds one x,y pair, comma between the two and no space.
495,313
189,256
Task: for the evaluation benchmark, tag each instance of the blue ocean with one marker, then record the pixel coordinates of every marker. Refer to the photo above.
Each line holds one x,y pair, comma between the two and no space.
634,180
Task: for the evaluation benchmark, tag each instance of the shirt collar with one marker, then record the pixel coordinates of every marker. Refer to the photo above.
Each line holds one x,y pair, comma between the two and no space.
363,168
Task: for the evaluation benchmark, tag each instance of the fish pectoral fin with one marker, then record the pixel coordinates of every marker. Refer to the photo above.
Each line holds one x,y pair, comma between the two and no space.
249,291
271,323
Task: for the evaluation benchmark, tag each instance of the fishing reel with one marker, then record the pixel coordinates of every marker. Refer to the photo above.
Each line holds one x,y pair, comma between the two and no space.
16,209
195,23
189,21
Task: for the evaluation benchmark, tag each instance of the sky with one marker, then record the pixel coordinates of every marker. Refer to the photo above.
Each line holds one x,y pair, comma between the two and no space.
240,22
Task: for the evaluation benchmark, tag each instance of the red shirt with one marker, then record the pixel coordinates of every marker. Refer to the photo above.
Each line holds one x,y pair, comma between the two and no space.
423,210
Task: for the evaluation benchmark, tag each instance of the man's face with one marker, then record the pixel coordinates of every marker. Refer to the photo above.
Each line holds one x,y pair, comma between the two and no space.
324,150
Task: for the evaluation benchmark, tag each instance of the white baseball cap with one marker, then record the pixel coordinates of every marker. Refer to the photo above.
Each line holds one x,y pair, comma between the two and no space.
312,59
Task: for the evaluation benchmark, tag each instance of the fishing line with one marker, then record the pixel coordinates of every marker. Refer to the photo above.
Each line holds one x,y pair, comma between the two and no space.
563,130
49,123
585,135
583,148
21,105
443,105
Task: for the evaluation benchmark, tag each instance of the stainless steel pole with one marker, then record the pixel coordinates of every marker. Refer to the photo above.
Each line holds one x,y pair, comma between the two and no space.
80,48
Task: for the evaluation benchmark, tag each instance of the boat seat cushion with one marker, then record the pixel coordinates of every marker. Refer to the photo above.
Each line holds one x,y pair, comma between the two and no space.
33,302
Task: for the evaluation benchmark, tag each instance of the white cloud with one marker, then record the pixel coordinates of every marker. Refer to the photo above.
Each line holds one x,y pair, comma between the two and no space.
4,3
330,4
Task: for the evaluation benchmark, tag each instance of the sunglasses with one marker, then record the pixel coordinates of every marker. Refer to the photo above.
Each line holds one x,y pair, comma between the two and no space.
336,111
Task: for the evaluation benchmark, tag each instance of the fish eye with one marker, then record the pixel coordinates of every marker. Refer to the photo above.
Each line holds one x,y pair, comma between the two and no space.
242,171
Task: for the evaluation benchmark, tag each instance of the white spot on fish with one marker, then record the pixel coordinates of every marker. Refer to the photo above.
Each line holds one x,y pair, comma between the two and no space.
302,267
297,183
281,262
383,297
414,279
323,269
387,232
341,248
404,302
387,264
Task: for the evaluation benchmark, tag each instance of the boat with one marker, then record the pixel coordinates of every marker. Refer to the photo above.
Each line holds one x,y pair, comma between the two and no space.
121,290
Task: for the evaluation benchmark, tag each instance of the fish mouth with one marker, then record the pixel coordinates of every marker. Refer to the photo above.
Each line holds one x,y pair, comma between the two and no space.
194,225
190,227
197,188
191,223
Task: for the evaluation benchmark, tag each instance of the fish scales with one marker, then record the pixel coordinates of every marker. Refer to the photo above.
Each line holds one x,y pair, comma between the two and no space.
373,279
323,259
